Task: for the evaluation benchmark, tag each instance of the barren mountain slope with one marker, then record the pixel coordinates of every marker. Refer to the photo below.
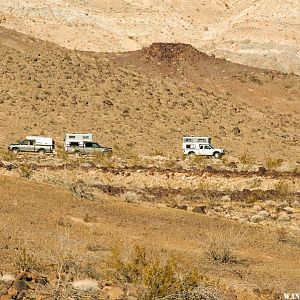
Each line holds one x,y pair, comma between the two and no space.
50,90
50,222
254,32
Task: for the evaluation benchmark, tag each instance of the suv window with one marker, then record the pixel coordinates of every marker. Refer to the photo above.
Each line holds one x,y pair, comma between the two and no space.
95,145
89,145
207,147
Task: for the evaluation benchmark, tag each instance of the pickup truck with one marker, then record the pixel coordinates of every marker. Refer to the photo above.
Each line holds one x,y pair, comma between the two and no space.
88,148
33,144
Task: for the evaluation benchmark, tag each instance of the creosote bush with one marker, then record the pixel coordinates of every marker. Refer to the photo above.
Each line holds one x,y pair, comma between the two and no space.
154,276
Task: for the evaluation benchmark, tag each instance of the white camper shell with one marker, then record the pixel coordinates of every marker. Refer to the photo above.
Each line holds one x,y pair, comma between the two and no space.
199,145
75,140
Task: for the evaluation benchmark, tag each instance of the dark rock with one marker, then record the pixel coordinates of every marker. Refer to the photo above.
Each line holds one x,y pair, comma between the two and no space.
261,170
232,165
184,207
236,130
200,209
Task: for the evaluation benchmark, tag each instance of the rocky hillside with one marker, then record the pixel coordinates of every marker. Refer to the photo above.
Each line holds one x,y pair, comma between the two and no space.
145,101
261,33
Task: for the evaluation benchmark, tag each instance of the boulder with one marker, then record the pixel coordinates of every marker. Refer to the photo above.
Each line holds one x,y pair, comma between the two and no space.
199,209
226,198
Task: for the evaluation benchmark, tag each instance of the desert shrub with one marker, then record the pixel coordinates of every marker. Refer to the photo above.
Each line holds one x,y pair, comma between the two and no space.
27,261
154,276
8,155
81,190
158,152
62,154
246,159
103,159
198,161
222,246
26,170
282,187
131,196
273,163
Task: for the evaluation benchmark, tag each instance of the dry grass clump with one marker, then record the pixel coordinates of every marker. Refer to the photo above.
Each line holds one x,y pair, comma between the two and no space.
62,154
154,277
273,163
104,160
26,170
81,190
198,161
26,260
8,155
222,245
282,187
247,159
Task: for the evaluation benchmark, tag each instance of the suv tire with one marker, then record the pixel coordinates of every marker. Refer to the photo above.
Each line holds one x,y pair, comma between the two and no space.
15,150
217,155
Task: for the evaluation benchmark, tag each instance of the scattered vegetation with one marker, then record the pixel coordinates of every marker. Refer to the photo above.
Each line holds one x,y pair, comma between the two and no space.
273,163
8,155
155,277
246,159
222,246
282,187
27,261
26,170
81,190
104,160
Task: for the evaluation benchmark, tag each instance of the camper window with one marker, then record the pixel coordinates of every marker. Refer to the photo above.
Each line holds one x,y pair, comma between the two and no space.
74,144
190,146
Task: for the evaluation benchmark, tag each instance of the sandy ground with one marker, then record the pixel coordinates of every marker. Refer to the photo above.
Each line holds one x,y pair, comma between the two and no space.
38,215
253,32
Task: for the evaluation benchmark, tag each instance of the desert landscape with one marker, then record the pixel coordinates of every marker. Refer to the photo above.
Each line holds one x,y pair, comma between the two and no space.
147,222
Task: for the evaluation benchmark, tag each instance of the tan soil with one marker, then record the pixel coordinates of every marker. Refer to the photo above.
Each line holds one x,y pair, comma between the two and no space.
253,32
143,102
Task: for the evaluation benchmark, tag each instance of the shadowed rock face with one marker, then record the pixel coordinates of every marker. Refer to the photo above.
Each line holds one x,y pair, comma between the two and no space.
258,33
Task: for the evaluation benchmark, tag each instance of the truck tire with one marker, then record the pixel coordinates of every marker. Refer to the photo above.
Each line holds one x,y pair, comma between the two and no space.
41,151
217,155
191,153
15,150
